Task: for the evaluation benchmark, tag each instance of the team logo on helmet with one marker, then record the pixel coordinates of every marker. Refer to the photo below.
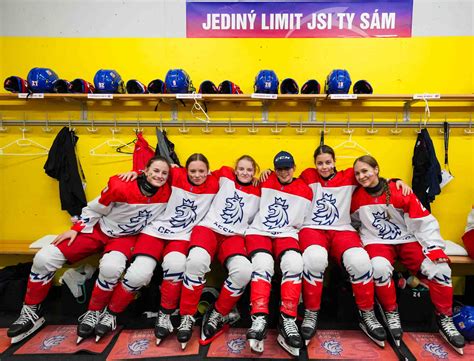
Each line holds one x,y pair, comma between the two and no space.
436,350
236,345
387,229
326,212
233,211
332,347
108,81
138,347
338,82
266,81
136,224
185,214
52,341
178,81
277,215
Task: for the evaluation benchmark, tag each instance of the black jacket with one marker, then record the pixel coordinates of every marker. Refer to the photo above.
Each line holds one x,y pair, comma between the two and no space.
63,165
426,170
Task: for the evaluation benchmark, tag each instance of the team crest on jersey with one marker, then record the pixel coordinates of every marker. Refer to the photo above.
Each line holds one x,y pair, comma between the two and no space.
236,345
277,215
185,214
52,341
387,229
326,212
436,350
137,347
136,224
332,347
233,211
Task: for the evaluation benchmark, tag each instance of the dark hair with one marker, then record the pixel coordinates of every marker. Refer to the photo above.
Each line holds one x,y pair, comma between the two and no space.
197,157
251,160
324,149
157,158
368,159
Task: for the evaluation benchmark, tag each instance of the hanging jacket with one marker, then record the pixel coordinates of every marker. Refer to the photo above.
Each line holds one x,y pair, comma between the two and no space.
426,170
142,153
165,148
63,165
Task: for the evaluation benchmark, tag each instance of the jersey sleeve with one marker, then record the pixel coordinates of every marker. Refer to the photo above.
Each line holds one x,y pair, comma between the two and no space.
470,221
100,206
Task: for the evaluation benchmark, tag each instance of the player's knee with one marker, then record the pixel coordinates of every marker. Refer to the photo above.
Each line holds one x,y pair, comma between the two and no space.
263,263
140,272
198,262
315,259
240,270
382,269
174,262
48,259
112,265
438,272
291,263
357,263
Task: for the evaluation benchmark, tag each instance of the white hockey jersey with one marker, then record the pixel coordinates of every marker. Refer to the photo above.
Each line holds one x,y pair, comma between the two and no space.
122,210
234,206
331,203
282,208
470,221
186,207
404,220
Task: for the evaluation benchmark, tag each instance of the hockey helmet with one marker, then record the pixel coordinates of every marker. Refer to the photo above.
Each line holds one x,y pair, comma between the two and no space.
311,87
338,82
156,86
108,81
178,81
266,81
227,87
362,87
136,87
61,86
464,321
207,87
289,86
41,80
81,86
15,84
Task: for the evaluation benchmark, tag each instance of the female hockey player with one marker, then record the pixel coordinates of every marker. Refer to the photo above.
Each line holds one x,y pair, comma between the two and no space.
274,235
220,233
108,224
394,226
166,239
327,230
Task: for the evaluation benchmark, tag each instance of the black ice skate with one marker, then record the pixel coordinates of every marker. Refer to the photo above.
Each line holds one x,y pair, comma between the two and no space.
372,328
309,325
213,324
394,324
257,332
86,326
163,326
288,335
185,330
31,319
107,323
450,333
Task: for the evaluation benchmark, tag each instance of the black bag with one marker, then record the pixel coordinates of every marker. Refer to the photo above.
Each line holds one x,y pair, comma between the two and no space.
13,282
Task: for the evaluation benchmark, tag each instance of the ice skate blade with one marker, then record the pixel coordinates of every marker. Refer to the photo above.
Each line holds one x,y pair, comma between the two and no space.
183,345
377,342
79,339
306,342
459,350
206,341
291,350
97,338
398,342
158,340
35,327
256,345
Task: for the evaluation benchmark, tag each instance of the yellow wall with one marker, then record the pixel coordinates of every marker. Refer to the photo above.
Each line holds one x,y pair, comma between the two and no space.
29,199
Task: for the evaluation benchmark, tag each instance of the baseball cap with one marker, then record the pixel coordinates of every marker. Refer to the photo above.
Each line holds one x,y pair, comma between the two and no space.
283,160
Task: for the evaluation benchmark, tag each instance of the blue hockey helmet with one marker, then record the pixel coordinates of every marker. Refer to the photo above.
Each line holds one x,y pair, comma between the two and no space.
362,87
338,82
15,84
311,87
108,81
289,86
178,81
266,81
41,80
464,321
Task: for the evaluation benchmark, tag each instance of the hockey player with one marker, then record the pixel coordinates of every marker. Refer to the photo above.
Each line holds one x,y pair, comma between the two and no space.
468,236
220,233
166,240
394,226
327,231
274,235
108,224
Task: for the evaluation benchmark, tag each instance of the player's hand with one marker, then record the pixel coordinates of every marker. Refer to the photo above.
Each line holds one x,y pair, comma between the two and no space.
265,174
406,190
128,176
70,234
